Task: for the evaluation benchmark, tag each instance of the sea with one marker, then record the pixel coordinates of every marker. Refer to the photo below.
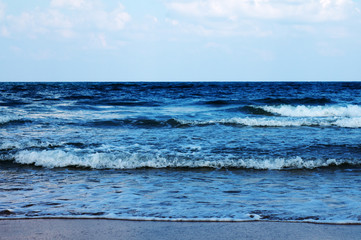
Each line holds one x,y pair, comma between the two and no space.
181,151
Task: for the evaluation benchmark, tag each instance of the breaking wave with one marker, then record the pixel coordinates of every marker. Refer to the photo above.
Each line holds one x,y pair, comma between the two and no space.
280,122
60,158
344,122
292,121
314,111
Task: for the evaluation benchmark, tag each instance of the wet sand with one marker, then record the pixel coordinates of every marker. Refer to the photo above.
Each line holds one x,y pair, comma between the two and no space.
119,229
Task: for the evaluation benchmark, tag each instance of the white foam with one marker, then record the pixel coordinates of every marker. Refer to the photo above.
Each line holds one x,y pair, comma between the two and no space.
59,158
354,122
256,122
315,111
348,122
267,122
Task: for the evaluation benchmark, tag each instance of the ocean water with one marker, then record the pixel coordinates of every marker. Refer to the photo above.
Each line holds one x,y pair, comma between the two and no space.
181,151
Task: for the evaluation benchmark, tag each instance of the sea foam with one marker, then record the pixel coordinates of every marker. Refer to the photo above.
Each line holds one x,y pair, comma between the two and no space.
354,122
314,111
60,158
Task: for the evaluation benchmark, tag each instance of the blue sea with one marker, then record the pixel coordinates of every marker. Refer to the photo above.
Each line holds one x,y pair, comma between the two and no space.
226,151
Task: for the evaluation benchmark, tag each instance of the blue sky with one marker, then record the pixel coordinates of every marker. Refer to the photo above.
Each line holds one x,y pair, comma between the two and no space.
183,40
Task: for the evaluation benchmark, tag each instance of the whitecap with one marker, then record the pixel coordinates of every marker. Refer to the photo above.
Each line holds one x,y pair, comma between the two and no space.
315,111
60,158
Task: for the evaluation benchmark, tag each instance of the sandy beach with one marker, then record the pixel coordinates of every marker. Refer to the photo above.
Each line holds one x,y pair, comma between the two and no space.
119,229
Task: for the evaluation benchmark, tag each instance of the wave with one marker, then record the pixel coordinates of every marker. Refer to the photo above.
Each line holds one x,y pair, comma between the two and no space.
140,122
348,123
313,111
92,103
343,122
4,120
296,101
278,122
13,103
266,122
222,102
178,123
60,158
272,101
117,102
236,122
254,110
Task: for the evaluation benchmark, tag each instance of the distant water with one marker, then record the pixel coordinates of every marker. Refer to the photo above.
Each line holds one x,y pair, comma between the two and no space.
185,151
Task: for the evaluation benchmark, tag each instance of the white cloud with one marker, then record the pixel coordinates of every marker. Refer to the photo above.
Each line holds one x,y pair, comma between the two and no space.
208,28
69,19
2,10
293,10
73,4
39,22
93,14
261,18
113,21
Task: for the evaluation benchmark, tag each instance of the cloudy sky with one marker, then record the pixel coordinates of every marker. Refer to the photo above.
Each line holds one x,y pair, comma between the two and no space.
184,40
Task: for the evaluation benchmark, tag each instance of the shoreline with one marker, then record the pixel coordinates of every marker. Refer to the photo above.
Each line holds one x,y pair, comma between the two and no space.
175,220
96,228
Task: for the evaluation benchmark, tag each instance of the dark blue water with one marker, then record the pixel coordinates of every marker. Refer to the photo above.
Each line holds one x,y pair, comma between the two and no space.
206,151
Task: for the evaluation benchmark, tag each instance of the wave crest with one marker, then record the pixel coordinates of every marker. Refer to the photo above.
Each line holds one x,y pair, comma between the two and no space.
314,111
9,119
59,158
279,122
236,121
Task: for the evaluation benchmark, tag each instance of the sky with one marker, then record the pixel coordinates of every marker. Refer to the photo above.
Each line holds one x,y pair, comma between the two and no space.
180,40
